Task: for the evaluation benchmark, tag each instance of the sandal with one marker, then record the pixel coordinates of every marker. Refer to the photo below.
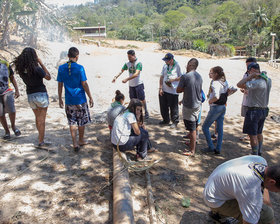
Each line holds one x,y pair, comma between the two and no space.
17,132
188,153
6,137
76,149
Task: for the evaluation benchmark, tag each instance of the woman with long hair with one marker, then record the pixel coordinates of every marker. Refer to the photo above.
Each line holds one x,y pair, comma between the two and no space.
128,130
32,71
217,96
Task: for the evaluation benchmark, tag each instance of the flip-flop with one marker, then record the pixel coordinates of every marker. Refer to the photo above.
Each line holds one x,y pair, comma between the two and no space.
6,137
17,132
85,143
188,153
76,149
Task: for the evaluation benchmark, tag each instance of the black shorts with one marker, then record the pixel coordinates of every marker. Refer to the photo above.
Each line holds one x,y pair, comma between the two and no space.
137,92
190,125
254,121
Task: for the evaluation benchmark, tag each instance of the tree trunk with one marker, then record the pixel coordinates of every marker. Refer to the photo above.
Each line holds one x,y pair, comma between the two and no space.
5,36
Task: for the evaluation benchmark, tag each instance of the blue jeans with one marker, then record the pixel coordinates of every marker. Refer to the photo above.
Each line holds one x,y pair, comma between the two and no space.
141,142
216,113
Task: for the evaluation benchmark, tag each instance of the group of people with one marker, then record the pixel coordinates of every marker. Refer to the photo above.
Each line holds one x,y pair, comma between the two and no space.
237,188
32,71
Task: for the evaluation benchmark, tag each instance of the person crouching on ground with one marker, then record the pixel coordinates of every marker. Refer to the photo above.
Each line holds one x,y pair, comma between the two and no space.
115,109
126,131
240,188
32,71
73,77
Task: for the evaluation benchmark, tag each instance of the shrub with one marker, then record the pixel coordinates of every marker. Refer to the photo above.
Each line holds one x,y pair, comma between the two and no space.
200,45
221,49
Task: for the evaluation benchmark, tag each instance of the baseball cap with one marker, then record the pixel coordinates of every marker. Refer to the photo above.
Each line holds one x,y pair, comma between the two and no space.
253,65
168,57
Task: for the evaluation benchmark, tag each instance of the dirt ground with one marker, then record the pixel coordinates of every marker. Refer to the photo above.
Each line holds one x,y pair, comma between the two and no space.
57,185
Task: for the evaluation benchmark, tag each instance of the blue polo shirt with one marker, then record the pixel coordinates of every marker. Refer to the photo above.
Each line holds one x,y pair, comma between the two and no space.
72,75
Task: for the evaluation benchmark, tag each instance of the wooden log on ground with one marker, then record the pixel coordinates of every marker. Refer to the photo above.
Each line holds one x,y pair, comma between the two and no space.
122,200
152,210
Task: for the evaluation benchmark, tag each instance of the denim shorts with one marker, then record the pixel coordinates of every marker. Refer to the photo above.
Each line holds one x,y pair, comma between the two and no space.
137,92
254,121
38,100
7,103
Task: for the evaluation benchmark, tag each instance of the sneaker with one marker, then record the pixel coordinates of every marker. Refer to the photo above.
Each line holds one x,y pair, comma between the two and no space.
217,152
218,219
207,150
163,123
214,216
173,126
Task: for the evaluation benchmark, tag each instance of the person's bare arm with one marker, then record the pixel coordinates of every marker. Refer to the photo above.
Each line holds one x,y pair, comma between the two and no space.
244,222
179,90
136,74
48,76
60,87
86,88
117,76
174,80
135,128
160,85
13,80
242,83
213,100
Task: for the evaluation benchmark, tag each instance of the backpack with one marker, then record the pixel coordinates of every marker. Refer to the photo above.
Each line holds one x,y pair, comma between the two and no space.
4,76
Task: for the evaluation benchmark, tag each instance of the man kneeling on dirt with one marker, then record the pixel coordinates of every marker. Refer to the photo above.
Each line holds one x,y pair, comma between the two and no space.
239,188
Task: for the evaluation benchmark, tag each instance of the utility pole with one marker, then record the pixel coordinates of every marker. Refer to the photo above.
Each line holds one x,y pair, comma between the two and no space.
272,46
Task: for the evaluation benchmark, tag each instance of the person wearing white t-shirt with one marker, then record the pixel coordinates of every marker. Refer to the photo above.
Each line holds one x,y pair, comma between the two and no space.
127,133
240,188
136,85
168,97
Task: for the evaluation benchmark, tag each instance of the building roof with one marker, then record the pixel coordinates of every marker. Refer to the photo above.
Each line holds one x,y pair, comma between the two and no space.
89,27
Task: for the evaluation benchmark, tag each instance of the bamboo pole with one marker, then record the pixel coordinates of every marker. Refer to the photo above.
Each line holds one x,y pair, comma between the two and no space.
152,210
122,200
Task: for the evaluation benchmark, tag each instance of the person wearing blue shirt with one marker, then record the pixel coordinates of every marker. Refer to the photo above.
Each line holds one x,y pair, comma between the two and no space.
73,77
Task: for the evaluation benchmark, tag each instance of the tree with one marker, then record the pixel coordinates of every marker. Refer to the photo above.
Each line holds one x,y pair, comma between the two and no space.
259,19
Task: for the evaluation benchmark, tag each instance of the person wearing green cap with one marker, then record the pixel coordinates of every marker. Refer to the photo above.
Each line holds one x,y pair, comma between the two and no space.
258,86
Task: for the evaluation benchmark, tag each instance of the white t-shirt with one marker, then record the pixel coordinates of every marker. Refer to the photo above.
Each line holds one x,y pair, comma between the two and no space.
218,87
245,95
171,72
238,179
132,67
122,128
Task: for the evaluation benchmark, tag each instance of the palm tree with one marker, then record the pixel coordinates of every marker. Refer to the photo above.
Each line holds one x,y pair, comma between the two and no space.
259,19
